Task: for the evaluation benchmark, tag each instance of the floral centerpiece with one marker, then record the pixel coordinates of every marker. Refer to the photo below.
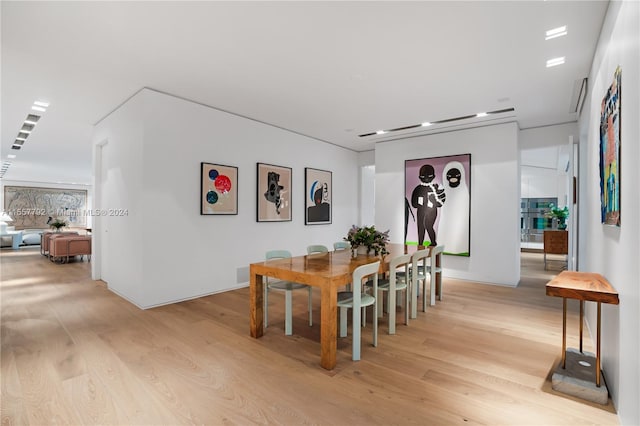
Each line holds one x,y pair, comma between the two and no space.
560,214
57,224
369,237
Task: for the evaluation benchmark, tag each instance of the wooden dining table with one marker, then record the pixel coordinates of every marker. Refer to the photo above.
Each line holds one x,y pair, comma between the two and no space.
327,271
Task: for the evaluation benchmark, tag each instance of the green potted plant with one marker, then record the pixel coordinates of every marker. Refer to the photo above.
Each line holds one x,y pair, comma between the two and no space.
560,214
58,224
369,237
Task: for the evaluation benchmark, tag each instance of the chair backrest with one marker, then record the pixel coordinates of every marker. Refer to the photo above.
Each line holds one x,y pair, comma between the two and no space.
418,257
341,245
277,254
364,271
435,252
317,248
396,262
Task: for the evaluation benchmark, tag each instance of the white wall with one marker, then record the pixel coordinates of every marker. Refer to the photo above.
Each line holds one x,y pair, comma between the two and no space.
495,197
612,251
183,254
117,241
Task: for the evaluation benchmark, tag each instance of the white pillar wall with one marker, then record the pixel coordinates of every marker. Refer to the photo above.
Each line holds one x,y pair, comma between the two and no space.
164,251
609,250
495,197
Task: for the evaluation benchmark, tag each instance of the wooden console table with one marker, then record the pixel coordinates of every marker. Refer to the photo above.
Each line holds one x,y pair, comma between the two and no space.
555,242
582,286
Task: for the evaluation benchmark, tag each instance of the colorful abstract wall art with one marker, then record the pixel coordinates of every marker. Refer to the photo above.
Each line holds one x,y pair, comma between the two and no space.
317,184
273,193
218,189
610,152
438,203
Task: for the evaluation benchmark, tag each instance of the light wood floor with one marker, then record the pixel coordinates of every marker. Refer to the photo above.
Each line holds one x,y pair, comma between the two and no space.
75,353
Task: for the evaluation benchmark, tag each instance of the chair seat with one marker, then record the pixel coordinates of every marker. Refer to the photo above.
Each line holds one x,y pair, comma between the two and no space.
383,284
286,285
345,299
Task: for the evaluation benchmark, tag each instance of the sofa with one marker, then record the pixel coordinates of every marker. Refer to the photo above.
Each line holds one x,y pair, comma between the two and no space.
29,237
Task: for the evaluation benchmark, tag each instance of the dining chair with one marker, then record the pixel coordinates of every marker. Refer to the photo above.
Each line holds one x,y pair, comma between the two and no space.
356,300
287,287
341,245
400,283
418,265
435,281
317,248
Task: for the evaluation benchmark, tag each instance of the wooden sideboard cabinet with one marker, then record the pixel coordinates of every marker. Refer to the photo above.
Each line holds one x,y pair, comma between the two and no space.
556,242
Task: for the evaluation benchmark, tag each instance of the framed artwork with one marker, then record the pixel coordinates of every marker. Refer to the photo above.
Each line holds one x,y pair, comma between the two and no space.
273,193
218,189
35,207
437,203
610,153
317,195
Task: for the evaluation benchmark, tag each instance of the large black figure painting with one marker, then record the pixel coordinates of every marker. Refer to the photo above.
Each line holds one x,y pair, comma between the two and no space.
438,202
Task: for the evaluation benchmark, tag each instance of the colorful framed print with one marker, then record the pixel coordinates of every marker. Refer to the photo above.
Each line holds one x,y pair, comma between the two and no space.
317,195
437,203
273,193
610,121
218,189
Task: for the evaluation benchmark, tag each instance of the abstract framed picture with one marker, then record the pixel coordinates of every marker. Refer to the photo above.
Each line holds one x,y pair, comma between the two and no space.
218,189
317,195
610,120
273,193
437,203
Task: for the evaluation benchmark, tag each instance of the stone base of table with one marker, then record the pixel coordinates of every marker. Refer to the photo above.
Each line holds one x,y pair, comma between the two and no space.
579,378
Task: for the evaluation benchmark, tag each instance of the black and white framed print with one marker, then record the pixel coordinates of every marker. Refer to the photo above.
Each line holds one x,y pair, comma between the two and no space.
317,195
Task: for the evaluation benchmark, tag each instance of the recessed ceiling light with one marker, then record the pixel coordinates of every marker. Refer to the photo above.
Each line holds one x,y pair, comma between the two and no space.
555,61
41,104
16,146
22,135
37,108
426,123
556,32
11,156
380,132
21,139
481,114
25,130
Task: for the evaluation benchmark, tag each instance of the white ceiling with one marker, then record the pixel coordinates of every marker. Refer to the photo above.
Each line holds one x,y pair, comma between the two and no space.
329,70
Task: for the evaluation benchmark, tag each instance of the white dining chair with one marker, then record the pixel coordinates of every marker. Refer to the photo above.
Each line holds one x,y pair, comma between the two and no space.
356,300
418,265
399,282
435,282
287,287
317,248
341,245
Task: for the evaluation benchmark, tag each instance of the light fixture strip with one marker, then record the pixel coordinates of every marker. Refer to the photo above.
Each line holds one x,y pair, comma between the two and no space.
443,121
555,61
556,32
